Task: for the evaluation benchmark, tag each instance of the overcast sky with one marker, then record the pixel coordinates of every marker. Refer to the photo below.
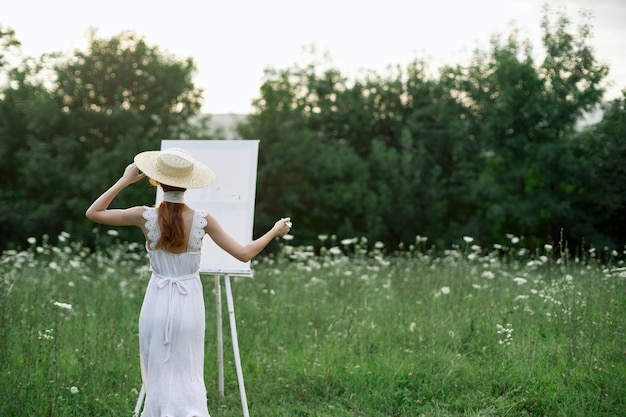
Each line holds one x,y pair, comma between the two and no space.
233,41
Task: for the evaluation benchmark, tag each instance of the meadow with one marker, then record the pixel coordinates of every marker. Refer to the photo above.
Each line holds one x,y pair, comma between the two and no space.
348,330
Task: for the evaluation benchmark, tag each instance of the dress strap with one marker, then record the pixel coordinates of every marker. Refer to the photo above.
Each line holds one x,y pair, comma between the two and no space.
196,234
152,226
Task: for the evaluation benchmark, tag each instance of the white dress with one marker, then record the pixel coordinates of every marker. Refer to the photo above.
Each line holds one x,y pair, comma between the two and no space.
171,327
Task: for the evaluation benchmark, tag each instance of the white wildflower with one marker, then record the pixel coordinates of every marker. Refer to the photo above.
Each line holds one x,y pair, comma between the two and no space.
468,239
46,335
74,390
32,240
113,232
519,281
445,290
335,250
63,305
488,275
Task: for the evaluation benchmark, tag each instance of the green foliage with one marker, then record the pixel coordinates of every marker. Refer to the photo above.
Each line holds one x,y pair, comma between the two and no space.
393,143
600,151
484,150
522,115
8,43
347,332
66,139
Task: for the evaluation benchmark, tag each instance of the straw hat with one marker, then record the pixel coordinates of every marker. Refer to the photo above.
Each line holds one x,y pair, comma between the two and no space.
175,167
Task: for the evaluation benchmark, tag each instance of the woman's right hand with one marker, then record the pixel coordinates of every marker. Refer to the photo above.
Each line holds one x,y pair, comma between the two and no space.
131,174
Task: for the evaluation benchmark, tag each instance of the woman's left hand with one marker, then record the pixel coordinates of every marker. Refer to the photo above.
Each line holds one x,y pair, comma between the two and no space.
283,226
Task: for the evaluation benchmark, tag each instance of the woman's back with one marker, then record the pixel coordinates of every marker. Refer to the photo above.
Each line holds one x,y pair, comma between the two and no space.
168,264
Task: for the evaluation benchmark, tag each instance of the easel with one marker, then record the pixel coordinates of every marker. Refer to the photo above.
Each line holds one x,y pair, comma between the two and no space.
220,346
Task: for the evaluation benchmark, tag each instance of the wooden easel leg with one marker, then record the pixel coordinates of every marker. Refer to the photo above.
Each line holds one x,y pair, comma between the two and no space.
233,330
220,337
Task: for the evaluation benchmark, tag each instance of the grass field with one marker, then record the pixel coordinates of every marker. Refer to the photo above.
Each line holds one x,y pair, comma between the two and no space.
348,332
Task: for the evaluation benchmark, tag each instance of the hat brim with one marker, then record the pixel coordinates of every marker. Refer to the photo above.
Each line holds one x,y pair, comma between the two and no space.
199,177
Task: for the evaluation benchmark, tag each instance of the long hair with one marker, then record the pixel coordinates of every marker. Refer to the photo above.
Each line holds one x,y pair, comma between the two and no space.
170,217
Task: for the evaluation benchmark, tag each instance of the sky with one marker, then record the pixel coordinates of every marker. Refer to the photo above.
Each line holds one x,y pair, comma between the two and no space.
232,42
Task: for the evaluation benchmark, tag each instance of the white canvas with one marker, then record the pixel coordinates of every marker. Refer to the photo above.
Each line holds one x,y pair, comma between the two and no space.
230,198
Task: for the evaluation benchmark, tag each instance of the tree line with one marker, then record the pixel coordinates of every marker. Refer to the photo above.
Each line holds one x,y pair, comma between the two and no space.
488,149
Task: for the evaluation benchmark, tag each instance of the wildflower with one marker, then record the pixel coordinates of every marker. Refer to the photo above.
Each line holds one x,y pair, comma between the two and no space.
420,239
322,238
32,240
519,281
347,242
507,332
488,275
468,239
412,327
569,278
113,232
46,335
74,390
288,237
335,250
379,245
63,305
53,265
445,290
547,247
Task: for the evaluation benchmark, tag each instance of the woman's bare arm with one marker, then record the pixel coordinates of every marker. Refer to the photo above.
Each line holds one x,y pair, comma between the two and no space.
99,211
244,253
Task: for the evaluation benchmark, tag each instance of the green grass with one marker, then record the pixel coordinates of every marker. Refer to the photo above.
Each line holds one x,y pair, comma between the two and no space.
348,332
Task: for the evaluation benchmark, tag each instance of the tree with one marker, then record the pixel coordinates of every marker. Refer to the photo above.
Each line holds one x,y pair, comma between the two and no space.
484,150
69,141
600,153
369,158
305,170
8,44
522,116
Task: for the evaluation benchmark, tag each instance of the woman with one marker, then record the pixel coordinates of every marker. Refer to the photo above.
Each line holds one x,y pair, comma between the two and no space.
172,320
